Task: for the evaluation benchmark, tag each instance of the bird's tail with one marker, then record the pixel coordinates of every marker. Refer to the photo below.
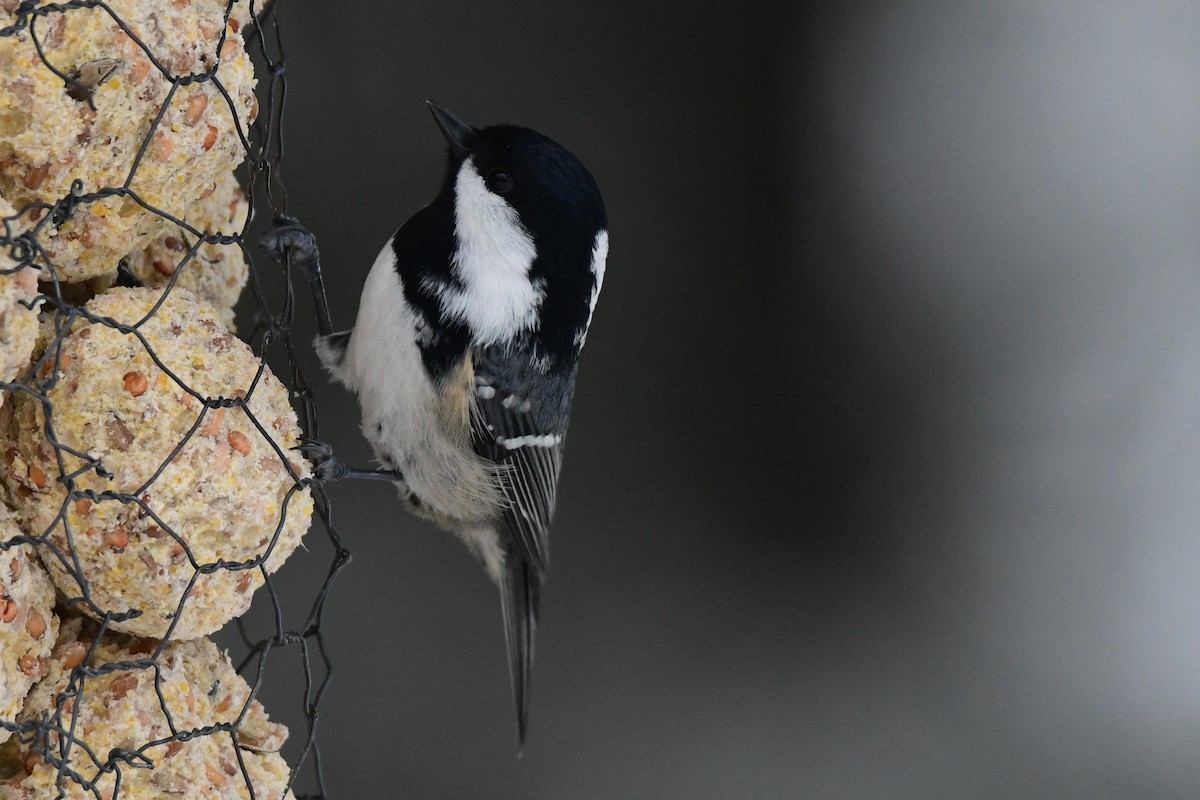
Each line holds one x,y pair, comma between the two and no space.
520,587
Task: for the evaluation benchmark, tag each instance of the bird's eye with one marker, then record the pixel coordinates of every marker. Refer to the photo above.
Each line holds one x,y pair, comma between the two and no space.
499,181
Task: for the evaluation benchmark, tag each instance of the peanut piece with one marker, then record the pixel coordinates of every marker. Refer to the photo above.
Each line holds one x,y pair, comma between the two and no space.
71,655
162,146
116,539
135,383
35,626
123,685
37,475
139,70
35,176
215,776
212,423
238,441
195,108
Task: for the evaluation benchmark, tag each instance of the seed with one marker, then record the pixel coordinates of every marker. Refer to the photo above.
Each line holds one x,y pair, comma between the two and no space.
139,70
34,176
243,582
164,267
253,108
208,192
210,138
173,748
54,38
135,383
212,423
72,655
228,47
195,108
35,626
215,776
14,569
83,507
32,759
8,609
28,664
154,532
116,539
162,146
37,475
119,436
238,441
123,685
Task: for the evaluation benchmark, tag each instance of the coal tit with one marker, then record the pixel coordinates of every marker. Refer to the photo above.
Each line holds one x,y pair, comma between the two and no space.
465,351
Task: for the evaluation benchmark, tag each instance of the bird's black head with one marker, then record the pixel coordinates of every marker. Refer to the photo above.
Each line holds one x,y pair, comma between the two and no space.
531,235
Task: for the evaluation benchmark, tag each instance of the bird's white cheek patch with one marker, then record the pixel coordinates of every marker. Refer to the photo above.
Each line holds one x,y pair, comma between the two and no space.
497,299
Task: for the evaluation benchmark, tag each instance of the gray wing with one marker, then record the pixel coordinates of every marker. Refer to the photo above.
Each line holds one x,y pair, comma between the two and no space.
522,426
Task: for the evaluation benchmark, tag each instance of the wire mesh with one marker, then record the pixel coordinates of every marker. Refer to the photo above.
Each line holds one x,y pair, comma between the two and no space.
55,738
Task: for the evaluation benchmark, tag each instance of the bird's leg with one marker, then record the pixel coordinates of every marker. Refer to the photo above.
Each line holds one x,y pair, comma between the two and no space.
291,243
327,468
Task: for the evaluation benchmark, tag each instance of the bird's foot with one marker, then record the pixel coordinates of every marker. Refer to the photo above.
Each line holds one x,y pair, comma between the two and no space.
291,240
328,468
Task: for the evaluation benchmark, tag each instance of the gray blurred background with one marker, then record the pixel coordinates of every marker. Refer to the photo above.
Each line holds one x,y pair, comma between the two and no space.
882,480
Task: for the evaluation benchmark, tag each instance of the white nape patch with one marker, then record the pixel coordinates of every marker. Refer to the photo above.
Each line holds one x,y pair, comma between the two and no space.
546,440
494,255
599,260
484,392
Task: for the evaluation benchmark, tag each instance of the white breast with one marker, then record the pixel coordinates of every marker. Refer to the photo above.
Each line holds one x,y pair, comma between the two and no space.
400,407
383,363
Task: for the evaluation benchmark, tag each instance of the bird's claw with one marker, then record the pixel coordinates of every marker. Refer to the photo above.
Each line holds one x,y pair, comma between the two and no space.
314,450
290,239
324,466
327,468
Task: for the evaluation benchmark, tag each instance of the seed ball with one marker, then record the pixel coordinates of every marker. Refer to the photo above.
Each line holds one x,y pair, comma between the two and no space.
18,315
121,709
216,273
50,134
227,494
27,622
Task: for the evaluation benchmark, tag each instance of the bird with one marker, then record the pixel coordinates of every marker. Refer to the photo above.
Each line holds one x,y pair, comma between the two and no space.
465,352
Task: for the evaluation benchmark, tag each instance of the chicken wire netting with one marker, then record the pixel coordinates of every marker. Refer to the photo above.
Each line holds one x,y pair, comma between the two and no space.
129,698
